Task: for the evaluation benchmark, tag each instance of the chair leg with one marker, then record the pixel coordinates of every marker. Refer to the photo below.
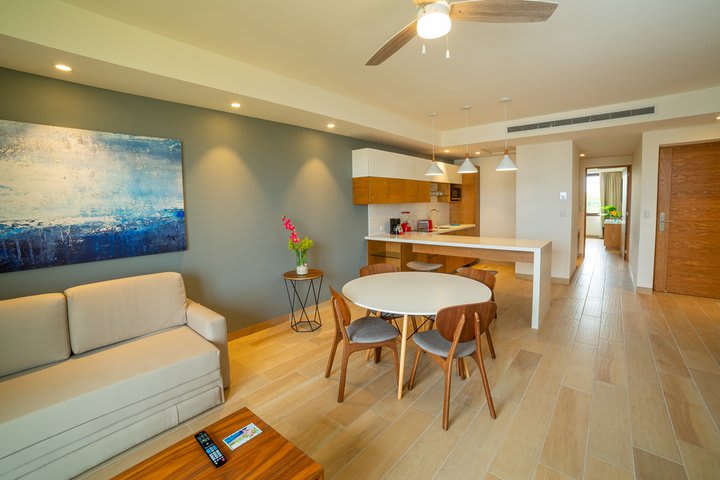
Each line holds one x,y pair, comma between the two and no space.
393,347
343,374
414,322
486,384
446,397
490,344
461,368
418,352
333,350
378,353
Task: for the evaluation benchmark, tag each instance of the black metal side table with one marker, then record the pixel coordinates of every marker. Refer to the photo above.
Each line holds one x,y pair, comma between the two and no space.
301,322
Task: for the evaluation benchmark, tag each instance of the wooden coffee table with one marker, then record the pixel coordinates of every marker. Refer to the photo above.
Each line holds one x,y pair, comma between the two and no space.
267,456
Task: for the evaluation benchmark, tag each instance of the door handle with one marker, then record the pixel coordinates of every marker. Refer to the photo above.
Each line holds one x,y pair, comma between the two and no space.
662,222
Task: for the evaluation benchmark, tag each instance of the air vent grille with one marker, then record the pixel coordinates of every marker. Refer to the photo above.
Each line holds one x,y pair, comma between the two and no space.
586,119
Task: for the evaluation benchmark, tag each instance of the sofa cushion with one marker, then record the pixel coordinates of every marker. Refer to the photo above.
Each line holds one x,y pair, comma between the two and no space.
103,387
34,332
104,313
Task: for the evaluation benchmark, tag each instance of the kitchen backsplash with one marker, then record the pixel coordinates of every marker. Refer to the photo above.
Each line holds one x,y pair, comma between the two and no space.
379,215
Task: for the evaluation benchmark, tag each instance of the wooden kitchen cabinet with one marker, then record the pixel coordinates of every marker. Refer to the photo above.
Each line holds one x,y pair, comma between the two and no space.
423,191
368,190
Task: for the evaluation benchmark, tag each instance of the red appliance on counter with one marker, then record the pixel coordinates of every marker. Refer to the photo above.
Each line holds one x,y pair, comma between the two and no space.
405,225
424,225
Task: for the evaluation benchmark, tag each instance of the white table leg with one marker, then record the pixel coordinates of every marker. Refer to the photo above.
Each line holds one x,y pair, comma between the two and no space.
403,345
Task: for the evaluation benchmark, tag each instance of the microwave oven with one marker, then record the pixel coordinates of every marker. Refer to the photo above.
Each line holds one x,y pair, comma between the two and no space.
455,193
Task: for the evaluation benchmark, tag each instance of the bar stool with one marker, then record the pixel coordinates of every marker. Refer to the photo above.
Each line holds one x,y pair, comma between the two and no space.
423,266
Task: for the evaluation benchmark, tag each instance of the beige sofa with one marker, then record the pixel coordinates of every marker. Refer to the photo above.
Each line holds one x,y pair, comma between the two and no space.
87,374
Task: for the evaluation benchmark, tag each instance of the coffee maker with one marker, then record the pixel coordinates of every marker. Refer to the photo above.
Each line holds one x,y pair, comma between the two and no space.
396,226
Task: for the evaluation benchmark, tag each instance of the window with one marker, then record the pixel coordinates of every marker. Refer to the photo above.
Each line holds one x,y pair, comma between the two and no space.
592,193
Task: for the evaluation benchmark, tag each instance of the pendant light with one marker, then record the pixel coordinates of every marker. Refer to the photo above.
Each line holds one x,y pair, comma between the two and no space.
467,166
506,164
434,168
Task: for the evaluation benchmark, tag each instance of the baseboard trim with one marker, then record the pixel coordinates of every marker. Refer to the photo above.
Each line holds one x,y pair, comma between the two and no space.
528,276
643,290
284,318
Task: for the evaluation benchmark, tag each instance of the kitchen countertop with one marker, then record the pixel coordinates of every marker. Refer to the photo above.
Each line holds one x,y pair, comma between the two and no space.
437,238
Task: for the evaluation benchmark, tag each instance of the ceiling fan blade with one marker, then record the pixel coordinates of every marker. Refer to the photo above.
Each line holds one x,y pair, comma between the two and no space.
394,44
502,11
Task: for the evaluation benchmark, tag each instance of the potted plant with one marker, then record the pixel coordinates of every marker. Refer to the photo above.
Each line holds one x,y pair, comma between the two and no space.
298,245
611,213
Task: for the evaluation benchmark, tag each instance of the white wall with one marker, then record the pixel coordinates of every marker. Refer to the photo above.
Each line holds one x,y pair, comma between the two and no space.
651,142
545,170
497,199
593,228
379,215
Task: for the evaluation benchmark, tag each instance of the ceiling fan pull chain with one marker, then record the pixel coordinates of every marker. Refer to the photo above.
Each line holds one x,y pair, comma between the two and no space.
424,50
447,46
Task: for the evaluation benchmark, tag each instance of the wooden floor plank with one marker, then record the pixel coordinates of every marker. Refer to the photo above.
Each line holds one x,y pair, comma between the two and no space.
652,467
381,453
610,438
564,448
598,470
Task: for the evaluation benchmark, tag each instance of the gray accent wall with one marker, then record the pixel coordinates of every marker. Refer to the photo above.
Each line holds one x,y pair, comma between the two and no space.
240,175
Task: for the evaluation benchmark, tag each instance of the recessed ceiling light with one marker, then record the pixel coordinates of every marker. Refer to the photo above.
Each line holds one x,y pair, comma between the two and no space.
235,105
447,150
717,118
582,155
63,68
477,153
330,125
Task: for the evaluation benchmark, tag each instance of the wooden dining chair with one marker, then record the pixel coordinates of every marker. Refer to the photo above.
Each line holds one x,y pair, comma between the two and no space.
361,334
486,277
458,334
374,269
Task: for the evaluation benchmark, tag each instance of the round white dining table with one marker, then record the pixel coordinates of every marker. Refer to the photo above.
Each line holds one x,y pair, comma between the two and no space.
413,293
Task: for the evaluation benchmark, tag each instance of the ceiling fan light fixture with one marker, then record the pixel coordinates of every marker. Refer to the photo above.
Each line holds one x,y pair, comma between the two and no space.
506,164
433,20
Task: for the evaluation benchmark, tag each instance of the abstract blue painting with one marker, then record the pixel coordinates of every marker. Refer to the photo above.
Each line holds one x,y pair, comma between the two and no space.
70,196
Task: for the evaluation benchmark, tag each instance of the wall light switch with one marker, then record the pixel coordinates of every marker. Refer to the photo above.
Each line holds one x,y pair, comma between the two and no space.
563,195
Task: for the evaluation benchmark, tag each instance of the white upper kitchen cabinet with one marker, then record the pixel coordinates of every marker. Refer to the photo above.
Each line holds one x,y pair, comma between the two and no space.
369,162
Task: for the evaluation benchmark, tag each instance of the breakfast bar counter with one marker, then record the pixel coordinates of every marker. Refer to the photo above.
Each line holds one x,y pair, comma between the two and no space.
400,249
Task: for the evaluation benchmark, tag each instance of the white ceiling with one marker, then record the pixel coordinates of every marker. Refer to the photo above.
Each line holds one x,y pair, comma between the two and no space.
589,53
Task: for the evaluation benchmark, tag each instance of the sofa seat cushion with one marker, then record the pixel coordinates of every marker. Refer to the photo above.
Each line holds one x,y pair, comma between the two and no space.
94,390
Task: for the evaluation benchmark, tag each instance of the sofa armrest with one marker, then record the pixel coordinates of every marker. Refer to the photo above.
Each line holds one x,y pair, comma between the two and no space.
212,327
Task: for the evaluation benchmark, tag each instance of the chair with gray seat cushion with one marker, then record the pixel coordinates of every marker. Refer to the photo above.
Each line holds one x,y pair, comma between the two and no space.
458,334
361,334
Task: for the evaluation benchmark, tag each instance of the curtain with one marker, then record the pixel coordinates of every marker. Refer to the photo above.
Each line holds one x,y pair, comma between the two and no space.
611,190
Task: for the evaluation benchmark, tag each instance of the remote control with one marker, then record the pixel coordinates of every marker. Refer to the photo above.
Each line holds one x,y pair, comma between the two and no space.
211,450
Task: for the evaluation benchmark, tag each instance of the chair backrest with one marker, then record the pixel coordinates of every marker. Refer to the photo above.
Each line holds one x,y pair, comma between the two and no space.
341,311
483,276
472,319
378,268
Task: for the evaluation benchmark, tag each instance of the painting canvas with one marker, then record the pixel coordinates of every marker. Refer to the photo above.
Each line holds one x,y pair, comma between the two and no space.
70,196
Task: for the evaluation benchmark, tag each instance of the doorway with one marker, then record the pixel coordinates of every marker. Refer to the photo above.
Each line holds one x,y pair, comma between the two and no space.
607,207
687,260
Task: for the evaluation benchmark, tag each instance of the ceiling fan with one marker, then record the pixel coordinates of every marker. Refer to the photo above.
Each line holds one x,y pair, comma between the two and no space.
434,19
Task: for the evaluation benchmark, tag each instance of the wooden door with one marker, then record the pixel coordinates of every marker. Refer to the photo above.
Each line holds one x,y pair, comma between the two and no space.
687,258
